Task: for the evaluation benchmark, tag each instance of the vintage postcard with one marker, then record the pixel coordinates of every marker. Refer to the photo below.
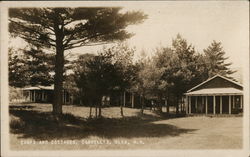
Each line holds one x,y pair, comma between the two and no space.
125,78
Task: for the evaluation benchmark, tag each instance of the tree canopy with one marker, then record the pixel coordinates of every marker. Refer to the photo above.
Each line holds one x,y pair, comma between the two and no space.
30,67
215,60
77,26
62,29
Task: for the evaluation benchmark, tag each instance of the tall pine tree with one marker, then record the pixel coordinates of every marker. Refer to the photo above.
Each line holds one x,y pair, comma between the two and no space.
215,61
61,29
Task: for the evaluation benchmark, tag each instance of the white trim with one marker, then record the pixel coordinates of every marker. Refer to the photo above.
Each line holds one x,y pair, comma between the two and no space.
217,94
212,79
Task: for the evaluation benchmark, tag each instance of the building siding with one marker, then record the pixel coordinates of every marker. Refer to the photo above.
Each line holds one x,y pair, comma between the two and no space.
218,82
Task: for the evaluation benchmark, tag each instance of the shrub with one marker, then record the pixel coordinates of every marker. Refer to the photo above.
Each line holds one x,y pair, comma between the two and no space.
16,124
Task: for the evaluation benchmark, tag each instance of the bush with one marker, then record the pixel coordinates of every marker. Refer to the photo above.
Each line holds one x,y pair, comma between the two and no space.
69,118
16,124
15,94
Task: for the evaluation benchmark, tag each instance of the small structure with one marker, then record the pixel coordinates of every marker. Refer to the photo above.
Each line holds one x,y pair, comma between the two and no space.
44,94
217,95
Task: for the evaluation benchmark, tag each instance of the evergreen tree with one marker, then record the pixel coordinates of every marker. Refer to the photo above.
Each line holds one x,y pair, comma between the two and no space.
30,67
61,29
124,68
215,61
184,70
18,76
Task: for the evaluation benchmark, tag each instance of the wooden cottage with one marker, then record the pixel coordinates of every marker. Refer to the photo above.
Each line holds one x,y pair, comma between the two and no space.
44,94
217,95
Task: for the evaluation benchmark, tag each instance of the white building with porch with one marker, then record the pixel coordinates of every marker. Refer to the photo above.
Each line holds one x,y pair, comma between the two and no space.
44,94
217,95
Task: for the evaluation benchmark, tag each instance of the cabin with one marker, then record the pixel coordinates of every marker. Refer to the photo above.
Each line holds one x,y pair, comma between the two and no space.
217,95
44,94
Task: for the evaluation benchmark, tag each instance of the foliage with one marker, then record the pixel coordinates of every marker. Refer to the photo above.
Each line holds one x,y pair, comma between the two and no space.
30,67
215,60
62,29
111,71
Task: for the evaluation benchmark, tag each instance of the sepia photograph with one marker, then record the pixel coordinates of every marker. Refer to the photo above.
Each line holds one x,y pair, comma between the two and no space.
125,78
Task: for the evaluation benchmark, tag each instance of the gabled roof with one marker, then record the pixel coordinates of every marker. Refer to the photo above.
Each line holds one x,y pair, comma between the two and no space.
40,87
216,91
212,79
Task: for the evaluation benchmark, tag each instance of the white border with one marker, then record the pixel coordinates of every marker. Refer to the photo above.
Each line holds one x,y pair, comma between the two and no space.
4,93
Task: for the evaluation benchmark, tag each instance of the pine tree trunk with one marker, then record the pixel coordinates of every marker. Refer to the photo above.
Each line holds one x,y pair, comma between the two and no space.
167,108
59,66
121,105
177,105
142,104
100,107
95,110
160,104
90,112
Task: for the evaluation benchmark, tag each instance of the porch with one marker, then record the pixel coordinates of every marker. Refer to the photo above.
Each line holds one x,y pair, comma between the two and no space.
214,104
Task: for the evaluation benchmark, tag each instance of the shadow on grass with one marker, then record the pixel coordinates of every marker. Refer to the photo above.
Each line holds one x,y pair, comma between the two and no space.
24,107
42,126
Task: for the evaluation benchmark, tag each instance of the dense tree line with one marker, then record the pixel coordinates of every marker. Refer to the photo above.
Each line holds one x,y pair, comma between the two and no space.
165,76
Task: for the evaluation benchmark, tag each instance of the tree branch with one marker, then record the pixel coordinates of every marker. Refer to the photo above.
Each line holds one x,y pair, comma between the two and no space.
81,45
81,42
36,40
32,30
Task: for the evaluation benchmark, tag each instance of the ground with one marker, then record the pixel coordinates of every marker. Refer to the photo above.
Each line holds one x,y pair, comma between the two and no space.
33,127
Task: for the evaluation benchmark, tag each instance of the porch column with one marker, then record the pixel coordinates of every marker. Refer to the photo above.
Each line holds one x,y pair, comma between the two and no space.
196,97
206,104
229,108
43,96
214,104
220,104
241,101
186,104
233,101
189,104
30,96
124,98
63,96
34,96
202,103
132,99
22,99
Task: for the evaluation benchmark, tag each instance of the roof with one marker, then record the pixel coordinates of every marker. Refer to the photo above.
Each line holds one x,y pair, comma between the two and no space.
192,89
31,88
216,91
40,88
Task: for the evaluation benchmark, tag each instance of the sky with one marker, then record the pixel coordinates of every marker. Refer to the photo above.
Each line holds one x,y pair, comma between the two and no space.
198,22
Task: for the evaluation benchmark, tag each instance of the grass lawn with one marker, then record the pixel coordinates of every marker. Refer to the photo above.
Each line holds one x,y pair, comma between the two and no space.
33,127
